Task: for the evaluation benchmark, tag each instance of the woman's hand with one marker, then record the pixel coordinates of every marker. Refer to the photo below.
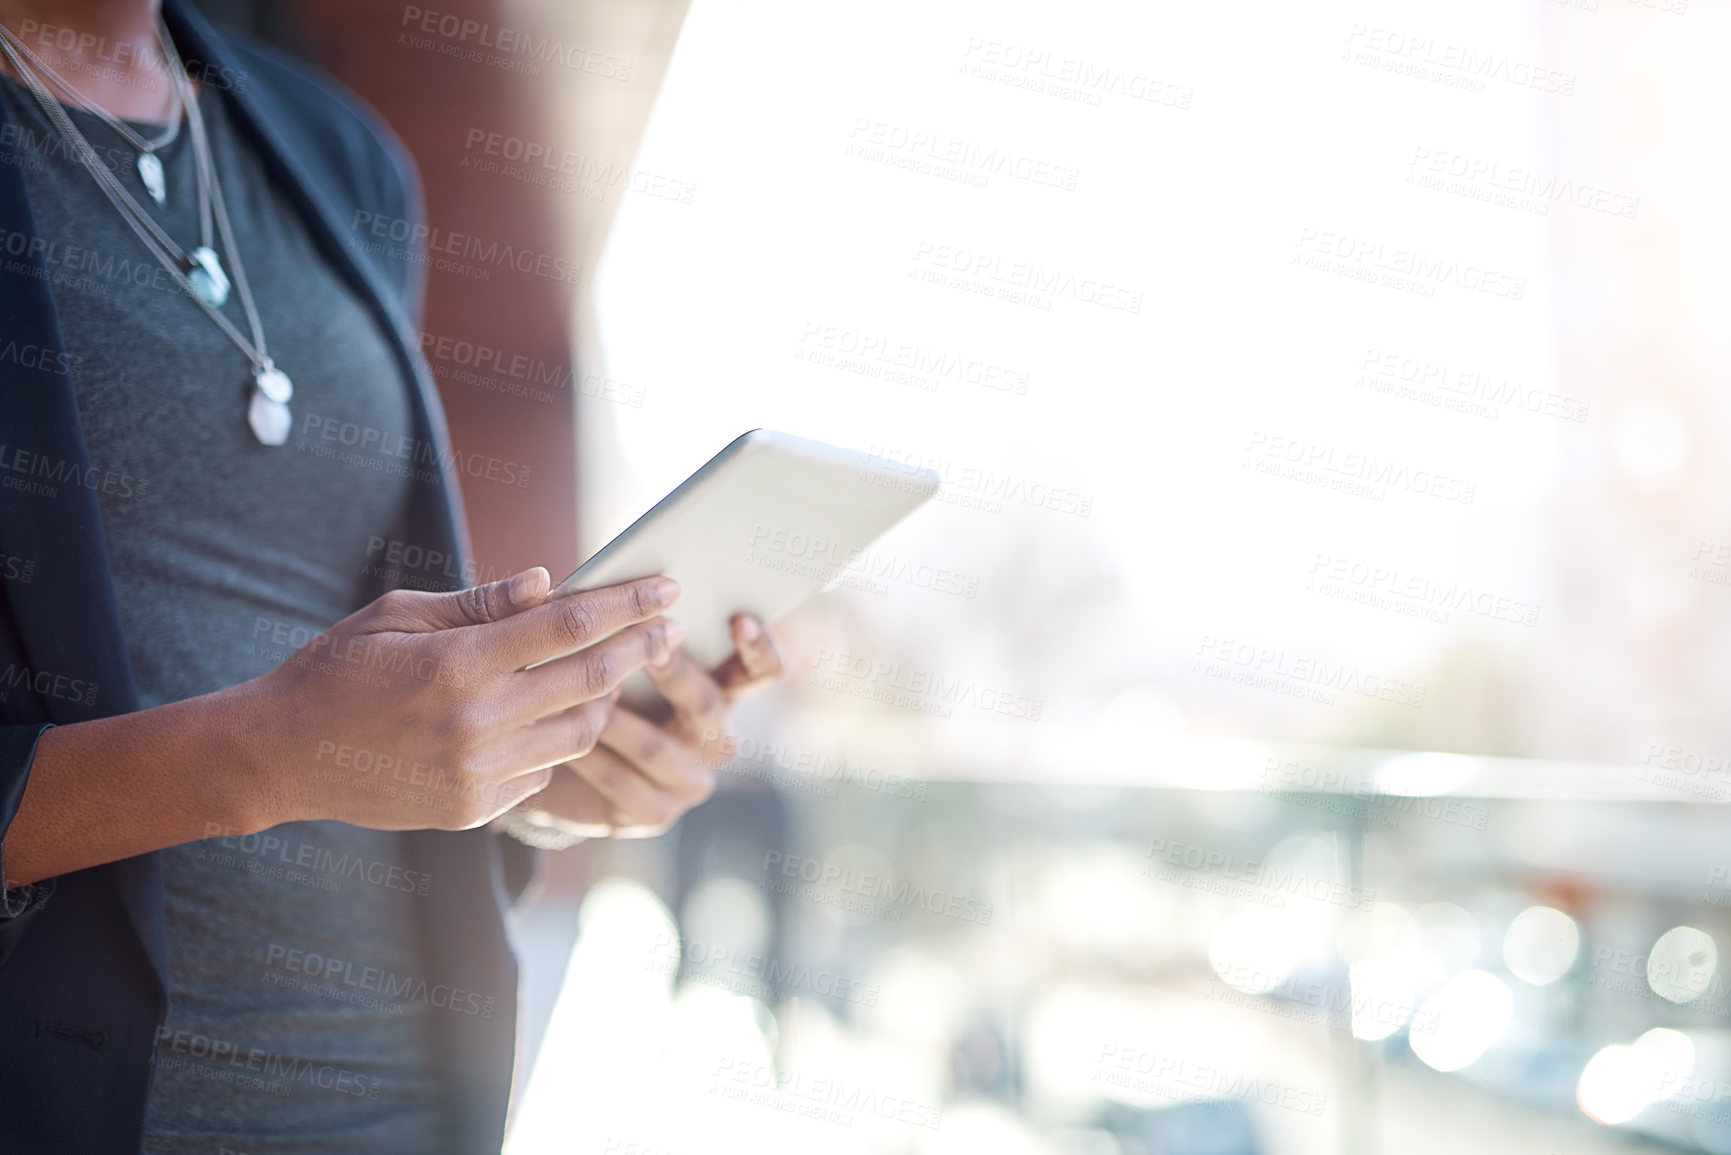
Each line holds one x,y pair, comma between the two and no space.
642,777
417,710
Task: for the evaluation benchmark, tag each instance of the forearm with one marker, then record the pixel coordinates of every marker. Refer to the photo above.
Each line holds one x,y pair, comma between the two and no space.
116,787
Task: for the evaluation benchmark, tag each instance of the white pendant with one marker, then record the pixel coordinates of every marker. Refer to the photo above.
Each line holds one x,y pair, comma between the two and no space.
207,278
150,172
270,420
275,384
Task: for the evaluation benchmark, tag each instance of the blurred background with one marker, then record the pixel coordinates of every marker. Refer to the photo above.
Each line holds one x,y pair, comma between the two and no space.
1296,726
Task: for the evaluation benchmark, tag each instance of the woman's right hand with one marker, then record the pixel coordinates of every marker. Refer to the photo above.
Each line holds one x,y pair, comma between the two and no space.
418,709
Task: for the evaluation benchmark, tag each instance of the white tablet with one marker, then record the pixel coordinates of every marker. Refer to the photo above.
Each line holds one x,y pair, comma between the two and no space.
765,524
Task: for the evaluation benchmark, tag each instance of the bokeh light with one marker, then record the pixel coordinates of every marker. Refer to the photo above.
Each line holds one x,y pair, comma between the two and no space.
1254,953
1541,945
1382,998
1670,1058
1462,1020
1614,1086
1681,964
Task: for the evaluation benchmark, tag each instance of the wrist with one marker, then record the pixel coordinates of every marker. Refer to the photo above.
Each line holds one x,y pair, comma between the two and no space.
249,785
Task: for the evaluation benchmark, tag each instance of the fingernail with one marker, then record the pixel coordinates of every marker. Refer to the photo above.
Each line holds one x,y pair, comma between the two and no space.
671,639
665,591
749,629
527,586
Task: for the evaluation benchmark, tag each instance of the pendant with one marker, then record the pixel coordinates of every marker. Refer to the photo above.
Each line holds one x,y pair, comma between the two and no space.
268,412
270,420
150,172
206,276
275,384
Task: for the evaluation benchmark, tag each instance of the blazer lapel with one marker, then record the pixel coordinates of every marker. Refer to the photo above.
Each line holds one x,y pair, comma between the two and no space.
66,618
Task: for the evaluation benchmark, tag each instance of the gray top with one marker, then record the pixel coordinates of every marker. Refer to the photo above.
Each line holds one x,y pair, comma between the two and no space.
227,556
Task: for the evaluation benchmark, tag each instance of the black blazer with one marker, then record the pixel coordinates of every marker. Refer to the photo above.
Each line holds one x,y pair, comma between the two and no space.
83,970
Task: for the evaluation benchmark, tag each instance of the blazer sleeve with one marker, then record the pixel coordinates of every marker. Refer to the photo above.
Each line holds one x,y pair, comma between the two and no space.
19,905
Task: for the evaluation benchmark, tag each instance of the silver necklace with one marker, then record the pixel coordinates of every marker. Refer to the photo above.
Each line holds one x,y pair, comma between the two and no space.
267,409
149,165
201,265
199,273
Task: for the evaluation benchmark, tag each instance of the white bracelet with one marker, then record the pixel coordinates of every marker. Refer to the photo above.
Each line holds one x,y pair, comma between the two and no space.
536,828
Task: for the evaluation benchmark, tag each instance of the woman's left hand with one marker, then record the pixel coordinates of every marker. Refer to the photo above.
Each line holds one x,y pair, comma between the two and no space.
642,776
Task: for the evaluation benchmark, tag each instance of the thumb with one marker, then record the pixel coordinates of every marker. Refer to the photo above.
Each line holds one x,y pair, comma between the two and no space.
413,611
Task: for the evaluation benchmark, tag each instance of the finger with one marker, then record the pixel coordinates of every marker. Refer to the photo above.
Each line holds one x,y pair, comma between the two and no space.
417,611
756,658
697,701
683,769
564,625
593,672
632,799
563,737
577,805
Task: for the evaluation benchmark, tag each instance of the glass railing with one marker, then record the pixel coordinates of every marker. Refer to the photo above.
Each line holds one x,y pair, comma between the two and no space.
1213,947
